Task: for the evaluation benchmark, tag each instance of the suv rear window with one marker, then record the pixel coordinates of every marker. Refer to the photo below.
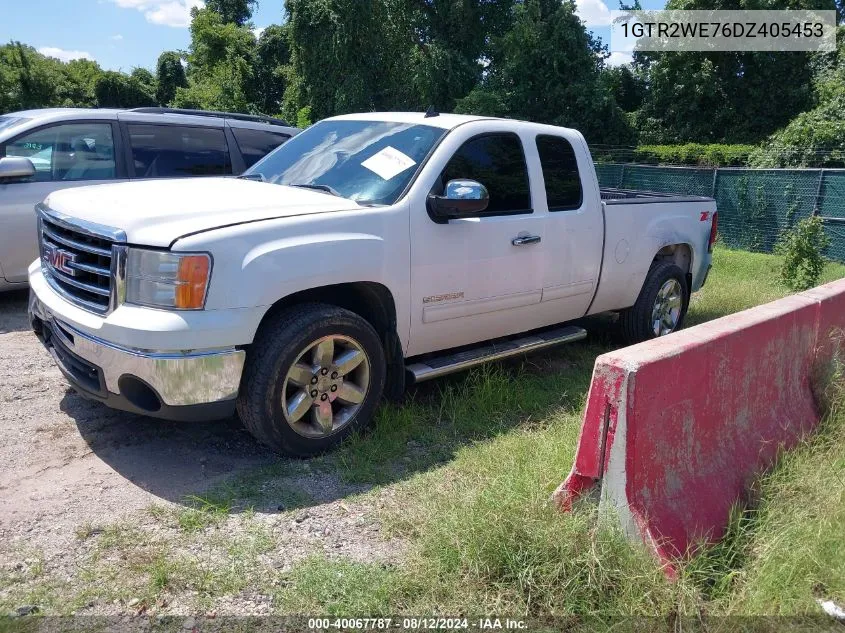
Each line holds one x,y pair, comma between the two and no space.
256,144
173,151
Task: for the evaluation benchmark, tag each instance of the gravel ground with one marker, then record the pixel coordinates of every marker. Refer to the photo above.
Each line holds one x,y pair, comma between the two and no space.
69,464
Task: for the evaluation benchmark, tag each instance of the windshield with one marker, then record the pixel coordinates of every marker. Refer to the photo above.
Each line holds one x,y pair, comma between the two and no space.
10,121
370,162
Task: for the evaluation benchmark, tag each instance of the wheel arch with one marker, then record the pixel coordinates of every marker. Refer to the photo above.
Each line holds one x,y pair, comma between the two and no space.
680,254
372,301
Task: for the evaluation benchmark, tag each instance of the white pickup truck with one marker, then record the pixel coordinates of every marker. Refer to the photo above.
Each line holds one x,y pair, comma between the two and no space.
369,251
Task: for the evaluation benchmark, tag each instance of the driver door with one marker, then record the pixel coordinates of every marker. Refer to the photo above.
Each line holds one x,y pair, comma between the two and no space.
476,278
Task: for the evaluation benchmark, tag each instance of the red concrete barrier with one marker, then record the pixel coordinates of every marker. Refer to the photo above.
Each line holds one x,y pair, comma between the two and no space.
677,428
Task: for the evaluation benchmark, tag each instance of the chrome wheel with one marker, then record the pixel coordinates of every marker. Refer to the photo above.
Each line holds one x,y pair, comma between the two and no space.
325,386
667,308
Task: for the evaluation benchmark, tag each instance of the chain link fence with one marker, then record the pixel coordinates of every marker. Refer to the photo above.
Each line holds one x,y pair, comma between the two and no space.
755,205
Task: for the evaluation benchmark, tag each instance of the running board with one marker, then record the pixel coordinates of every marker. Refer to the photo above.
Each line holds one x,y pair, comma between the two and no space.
451,363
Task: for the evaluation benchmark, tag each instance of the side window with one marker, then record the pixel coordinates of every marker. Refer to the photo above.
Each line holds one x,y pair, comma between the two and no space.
256,144
67,152
497,162
560,171
174,151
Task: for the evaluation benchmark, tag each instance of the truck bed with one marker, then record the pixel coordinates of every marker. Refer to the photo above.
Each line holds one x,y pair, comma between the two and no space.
611,195
637,225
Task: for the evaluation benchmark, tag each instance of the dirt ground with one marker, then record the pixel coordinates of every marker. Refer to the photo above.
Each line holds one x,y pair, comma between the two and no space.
69,464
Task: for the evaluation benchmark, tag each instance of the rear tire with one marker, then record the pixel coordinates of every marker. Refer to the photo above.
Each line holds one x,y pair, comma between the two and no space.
661,307
314,374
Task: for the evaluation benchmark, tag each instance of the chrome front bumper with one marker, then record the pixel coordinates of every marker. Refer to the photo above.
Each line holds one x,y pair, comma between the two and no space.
160,384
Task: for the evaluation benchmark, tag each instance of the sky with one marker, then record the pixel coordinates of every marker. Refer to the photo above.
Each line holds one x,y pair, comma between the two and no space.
124,34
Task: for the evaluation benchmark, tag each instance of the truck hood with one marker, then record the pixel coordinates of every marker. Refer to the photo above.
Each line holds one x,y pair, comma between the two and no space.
158,212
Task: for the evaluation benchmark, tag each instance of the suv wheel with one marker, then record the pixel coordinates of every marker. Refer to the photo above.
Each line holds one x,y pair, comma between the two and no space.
661,307
313,375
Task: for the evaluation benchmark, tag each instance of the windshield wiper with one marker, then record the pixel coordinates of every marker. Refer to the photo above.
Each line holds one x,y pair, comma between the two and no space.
324,188
256,177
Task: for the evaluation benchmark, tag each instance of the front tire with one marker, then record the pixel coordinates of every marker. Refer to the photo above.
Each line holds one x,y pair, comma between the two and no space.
314,374
661,307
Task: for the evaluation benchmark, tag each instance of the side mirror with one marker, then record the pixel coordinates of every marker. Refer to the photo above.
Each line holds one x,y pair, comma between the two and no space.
462,198
13,167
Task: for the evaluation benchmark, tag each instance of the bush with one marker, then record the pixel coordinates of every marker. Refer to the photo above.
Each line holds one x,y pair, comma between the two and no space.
801,248
711,155
303,117
815,138
812,139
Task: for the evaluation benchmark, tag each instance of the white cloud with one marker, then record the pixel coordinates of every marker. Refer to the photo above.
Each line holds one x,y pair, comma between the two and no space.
593,12
116,38
175,13
257,32
65,56
618,58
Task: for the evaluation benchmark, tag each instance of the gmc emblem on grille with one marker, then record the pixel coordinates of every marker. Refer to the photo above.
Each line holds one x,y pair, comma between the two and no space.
60,259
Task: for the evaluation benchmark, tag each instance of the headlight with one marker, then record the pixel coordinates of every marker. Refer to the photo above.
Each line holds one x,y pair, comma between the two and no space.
167,280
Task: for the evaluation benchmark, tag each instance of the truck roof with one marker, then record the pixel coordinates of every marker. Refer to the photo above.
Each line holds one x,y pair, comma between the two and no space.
445,121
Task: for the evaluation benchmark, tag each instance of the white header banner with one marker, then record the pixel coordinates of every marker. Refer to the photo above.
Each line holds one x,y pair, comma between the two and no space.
805,30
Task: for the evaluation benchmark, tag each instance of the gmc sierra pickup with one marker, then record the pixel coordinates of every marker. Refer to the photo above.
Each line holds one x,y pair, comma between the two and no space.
368,251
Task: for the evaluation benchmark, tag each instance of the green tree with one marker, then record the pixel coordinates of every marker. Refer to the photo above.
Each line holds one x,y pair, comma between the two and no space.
80,78
626,85
144,79
33,79
343,57
116,90
221,63
272,56
815,138
170,75
29,79
232,11
451,42
564,84
725,96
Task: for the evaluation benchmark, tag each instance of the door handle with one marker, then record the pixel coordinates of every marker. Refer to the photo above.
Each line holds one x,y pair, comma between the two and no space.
522,240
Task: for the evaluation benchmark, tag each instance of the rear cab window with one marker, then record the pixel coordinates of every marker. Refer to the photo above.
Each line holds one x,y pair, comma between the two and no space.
176,151
560,173
256,144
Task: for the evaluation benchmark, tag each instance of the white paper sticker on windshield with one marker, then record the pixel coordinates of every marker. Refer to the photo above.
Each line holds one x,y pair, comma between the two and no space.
388,163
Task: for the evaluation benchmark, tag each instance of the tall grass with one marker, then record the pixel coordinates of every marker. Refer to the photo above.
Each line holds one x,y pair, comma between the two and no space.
793,542
484,538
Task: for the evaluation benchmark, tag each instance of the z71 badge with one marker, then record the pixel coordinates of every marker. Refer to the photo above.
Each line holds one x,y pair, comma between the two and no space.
447,297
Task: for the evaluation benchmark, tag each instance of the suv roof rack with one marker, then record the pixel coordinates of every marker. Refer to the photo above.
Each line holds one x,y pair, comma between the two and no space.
257,118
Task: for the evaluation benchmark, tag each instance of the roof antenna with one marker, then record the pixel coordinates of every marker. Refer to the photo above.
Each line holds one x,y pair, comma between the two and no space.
431,112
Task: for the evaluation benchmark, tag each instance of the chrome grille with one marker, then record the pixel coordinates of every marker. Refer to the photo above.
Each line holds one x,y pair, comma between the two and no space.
78,261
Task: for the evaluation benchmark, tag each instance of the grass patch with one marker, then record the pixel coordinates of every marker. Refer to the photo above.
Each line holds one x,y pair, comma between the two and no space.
740,280
484,537
203,513
439,418
338,587
464,469
791,547
87,530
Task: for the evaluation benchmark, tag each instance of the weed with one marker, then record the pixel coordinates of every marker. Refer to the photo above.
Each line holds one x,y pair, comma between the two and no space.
801,248
204,513
87,530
